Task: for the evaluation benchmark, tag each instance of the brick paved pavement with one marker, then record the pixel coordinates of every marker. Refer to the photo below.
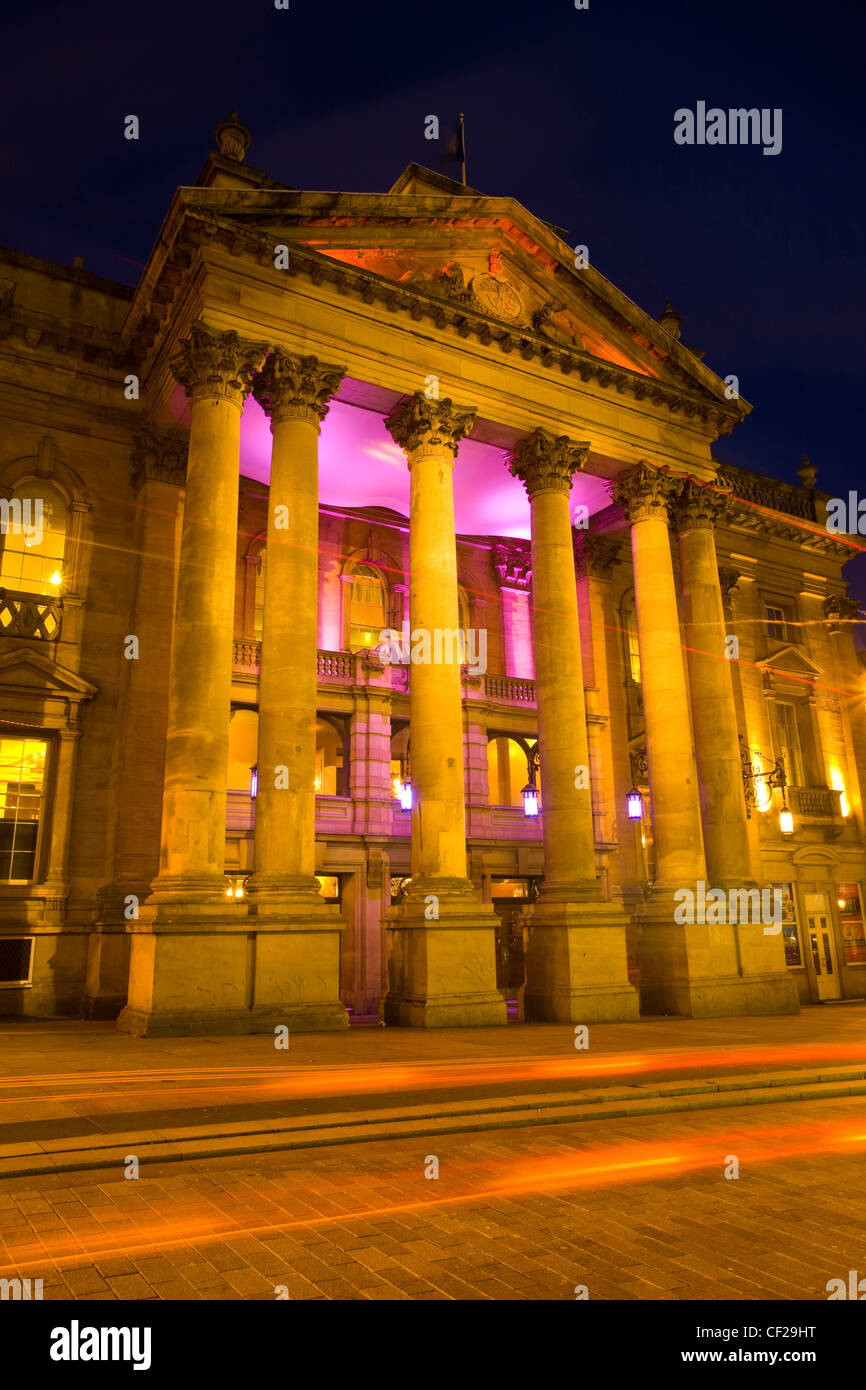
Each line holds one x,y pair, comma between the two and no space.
363,1222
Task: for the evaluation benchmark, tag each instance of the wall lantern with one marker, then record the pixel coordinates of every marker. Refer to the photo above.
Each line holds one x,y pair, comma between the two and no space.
634,802
530,800
772,776
254,781
406,796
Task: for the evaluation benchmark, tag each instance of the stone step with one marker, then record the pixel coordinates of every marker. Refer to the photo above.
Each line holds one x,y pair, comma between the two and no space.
450,1117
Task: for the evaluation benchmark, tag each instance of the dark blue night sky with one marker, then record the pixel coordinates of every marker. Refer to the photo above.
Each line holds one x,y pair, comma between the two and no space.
571,112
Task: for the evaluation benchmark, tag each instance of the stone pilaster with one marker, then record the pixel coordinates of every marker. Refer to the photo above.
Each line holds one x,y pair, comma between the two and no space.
158,468
576,967
443,966
188,973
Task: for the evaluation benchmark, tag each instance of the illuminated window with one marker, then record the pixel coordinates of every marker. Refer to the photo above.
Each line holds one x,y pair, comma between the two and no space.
367,609
33,533
632,647
790,932
853,930
22,775
789,746
259,609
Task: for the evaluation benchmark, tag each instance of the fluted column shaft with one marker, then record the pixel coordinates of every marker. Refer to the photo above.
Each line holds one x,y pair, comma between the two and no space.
646,494
714,711
216,369
294,392
429,432
546,466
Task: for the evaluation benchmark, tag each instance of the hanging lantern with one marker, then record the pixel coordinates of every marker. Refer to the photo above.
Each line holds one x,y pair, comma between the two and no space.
406,796
786,821
254,782
634,802
530,800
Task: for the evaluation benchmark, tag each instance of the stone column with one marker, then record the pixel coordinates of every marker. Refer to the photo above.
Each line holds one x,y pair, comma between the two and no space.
304,945
189,983
443,965
576,966
717,749
761,957
216,369
689,967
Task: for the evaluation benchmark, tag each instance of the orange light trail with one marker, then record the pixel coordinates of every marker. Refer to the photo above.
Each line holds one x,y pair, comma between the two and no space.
589,1168
379,1077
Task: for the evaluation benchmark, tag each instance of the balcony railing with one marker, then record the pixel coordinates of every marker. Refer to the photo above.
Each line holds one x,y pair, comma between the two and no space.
345,666
510,688
36,616
816,803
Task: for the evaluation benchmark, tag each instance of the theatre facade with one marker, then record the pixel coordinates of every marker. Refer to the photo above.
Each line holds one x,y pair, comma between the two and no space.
380,634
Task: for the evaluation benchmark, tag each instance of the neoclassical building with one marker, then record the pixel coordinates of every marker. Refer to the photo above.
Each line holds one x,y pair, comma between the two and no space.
381,634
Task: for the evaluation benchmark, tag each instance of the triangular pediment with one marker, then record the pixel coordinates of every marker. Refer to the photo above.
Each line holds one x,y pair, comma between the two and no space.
30,671
489,256
789,661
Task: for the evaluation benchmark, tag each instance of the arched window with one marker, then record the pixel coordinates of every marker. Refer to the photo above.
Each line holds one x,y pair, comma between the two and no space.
33,526
259,602
367,618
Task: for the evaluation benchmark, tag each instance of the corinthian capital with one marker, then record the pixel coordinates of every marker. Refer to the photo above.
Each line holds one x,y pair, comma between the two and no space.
296,388
216,365
419,422
546,463
700,506
595,554
645,493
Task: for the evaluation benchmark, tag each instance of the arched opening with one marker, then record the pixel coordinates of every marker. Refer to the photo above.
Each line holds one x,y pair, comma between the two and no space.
331,761
367,608
509,769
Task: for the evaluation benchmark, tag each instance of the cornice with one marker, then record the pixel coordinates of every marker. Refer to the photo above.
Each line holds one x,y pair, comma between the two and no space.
200,229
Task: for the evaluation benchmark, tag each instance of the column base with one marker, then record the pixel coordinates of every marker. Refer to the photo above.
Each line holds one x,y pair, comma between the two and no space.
244,975
577,962
696,970
443,967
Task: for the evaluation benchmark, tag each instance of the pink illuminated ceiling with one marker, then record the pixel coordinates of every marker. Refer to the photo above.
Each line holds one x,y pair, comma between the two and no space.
361,466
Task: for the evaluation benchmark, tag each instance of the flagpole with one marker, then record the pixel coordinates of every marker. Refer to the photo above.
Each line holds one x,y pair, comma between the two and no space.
463,147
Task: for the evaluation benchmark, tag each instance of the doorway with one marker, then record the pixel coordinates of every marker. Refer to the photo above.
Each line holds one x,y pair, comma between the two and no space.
819,926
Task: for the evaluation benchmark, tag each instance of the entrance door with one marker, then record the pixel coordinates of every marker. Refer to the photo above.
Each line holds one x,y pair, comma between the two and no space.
819,925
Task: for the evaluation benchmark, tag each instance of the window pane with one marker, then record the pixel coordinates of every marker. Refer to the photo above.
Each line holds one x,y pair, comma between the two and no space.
22,774
33,527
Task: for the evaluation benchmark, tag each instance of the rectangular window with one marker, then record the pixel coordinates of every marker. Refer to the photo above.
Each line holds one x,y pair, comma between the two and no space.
790,934
22,775
853,930
777,627
16,961
789,747
634,656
